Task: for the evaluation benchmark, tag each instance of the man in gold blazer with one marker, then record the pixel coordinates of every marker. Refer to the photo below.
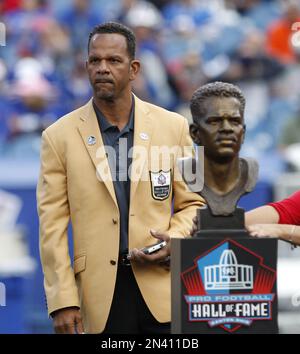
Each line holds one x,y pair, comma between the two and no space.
83,179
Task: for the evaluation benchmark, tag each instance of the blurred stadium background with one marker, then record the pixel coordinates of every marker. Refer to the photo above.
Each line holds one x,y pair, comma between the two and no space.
182,44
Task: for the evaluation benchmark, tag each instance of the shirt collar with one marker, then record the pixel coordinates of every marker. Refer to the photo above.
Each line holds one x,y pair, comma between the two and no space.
104,123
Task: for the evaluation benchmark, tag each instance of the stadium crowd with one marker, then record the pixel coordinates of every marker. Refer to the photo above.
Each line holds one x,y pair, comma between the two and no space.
182,44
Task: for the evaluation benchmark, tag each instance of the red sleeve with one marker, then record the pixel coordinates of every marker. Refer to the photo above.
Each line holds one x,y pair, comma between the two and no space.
288,209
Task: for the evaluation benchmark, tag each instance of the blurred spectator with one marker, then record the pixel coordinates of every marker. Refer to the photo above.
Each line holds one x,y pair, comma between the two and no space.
250,60
54,49
76,86
147,22
125,7
280,31
187,75
222,37
3,77
9,5
4,106
260,12
152,83
33,108
242,7
22,38
251,68
160,4
197,11
290,133
284,92
287,85
79,20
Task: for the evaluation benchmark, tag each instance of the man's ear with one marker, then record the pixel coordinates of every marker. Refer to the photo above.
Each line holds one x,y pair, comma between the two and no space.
194,133
135,66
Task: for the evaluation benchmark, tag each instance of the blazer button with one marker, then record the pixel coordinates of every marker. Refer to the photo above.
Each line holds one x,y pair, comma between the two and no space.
115,221
113,262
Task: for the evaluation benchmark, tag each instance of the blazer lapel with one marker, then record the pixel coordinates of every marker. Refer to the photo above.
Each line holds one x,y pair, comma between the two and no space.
93,142
142,137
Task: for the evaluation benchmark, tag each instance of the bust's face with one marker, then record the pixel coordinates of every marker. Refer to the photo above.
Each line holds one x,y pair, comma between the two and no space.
221,130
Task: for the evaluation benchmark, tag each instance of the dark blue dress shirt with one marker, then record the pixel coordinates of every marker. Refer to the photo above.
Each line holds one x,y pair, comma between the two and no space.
117,145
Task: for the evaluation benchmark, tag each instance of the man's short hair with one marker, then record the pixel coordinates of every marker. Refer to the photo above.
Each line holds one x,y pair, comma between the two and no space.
215,89
115,27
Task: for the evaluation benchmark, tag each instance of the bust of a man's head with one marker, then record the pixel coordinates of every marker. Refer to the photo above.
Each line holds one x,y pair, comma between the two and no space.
218,120
218,125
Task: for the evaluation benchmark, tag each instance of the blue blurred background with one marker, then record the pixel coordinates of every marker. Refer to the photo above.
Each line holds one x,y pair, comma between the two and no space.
182,44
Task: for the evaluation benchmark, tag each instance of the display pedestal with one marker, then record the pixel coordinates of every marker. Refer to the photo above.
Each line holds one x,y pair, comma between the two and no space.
223,280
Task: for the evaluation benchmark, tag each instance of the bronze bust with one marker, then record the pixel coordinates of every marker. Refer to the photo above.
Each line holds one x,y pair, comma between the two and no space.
218,125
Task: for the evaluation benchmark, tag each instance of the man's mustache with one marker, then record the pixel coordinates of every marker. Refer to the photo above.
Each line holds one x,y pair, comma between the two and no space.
103,81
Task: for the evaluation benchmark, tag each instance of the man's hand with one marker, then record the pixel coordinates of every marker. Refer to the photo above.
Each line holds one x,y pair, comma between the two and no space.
161,256
68,321
194,226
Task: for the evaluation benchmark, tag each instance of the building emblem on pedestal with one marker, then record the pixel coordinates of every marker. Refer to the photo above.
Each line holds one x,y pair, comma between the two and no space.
228,274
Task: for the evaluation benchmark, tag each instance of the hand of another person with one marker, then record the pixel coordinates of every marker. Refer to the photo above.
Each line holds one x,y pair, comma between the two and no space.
68,321
285,232
265,230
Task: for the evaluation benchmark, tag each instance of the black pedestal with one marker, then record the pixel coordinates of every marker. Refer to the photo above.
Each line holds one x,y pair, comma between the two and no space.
223,280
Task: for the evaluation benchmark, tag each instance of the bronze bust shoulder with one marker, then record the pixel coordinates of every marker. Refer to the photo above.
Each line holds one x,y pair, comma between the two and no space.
218,203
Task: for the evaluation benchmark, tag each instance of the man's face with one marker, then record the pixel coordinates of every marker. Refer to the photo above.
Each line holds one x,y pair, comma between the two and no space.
109,66
221,130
